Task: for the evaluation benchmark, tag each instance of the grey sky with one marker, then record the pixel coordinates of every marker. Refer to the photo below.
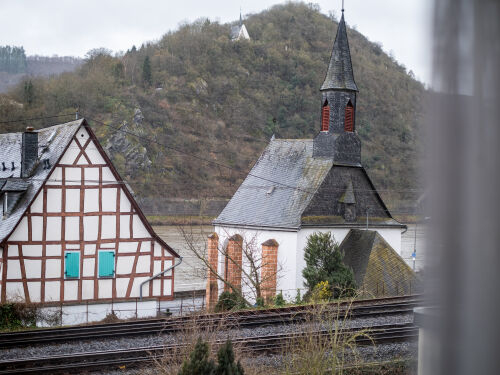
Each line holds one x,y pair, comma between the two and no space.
72,27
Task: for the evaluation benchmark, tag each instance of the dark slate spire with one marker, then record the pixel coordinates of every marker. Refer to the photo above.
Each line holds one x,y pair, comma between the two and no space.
340,74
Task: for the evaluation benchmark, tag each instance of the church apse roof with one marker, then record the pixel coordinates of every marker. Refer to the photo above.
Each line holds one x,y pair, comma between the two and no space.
377,267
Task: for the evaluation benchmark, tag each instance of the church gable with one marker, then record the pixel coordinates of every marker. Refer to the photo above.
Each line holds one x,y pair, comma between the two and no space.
344,197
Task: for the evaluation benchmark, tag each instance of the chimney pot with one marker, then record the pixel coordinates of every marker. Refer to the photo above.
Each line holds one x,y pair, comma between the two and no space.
30,129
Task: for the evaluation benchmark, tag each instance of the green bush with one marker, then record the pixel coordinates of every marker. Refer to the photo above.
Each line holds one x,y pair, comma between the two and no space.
298,298
225,361
229,301
279,300
324,263
17,315
198,362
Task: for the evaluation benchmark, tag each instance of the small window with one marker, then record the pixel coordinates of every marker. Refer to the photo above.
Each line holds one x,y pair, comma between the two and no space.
106,263
349,117
325,117
72,264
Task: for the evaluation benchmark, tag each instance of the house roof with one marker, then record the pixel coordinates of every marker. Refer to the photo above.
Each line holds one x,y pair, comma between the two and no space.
279,186
377,267
52,143
340,74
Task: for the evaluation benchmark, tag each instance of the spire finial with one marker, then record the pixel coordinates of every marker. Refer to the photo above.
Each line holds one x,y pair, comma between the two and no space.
342,6
241,20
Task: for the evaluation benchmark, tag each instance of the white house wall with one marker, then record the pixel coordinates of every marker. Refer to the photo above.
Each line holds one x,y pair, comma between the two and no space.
82,208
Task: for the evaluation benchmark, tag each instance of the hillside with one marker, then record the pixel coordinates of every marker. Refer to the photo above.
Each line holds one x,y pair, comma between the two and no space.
36,66
221,101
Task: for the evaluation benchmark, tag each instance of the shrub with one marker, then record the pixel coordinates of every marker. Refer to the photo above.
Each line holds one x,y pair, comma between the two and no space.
17,315
229,301
198,362
298,298
324,263
225,361
279,300
321,292
260,302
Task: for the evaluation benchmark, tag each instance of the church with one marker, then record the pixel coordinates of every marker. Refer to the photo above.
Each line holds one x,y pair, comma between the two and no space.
301,186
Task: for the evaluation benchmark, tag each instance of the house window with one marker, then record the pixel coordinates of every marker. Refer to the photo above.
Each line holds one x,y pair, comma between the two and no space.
325,117
71,264
349,117
106,263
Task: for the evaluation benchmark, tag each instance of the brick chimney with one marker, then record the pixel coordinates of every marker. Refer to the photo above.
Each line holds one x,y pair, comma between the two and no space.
29,151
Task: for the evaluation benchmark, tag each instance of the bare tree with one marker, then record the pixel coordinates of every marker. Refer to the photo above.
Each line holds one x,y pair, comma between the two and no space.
252,285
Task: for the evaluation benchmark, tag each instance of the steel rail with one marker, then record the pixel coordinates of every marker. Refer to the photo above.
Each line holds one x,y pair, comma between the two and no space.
250,345
248,318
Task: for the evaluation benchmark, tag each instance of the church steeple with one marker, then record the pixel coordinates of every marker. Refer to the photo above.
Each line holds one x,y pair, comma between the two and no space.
337,137
340,75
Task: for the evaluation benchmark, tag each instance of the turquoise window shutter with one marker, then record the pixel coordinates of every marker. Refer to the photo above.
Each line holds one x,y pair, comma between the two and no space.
72,264
106,263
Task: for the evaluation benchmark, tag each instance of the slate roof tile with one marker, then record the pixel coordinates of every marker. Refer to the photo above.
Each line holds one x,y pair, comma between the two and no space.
52,142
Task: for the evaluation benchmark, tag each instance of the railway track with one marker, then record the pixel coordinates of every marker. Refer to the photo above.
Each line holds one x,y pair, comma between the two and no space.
241,319
79,362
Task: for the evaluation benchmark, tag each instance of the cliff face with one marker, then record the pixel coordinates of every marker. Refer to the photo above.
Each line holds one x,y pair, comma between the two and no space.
222,101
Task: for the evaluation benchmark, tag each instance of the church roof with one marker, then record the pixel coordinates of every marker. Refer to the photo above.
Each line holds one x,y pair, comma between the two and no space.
377,267
288,188
279,186
340,74
53,142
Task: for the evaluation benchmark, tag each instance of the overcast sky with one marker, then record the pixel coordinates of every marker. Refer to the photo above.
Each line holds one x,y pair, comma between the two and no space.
72,27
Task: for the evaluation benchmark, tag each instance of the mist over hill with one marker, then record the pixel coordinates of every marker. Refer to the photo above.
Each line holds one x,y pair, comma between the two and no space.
198,93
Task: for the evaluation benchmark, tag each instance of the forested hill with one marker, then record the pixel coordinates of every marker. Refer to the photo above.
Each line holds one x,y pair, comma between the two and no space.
199,93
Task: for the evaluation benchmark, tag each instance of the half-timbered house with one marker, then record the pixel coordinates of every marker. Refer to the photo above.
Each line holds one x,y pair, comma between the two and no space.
70,228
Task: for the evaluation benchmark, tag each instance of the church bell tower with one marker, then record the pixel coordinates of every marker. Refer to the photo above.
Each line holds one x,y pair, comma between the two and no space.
337,137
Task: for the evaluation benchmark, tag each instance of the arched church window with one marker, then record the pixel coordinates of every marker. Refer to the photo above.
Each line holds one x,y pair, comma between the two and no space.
349,117
325,117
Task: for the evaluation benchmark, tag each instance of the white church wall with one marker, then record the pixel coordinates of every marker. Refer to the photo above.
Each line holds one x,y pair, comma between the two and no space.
286,280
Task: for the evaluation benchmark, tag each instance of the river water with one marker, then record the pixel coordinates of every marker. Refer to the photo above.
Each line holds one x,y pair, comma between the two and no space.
191,274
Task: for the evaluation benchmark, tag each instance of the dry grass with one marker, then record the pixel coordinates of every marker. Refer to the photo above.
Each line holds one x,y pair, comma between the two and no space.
310,354
334,352
192,329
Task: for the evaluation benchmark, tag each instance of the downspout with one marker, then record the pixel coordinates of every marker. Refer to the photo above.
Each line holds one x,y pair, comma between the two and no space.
157,275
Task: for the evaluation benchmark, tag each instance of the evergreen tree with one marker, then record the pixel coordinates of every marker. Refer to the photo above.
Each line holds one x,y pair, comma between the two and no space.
28,93
324,263
198,362
225,361
147,77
